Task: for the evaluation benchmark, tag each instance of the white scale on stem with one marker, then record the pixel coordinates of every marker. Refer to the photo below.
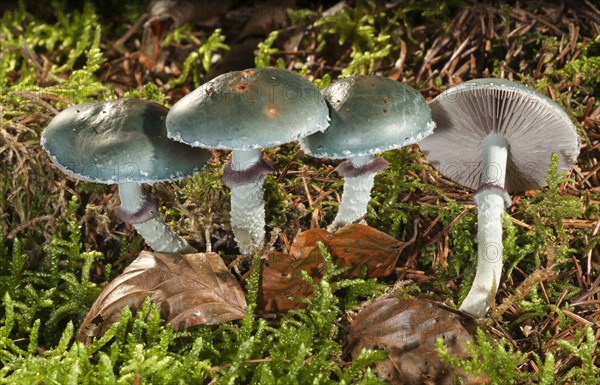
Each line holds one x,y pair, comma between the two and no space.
247,204
491,203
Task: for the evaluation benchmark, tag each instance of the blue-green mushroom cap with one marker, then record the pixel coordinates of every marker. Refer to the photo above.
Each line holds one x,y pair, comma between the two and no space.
369,115
122,141
250,109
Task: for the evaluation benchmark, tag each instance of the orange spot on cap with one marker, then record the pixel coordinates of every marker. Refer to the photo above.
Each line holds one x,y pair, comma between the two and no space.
272,111
242,87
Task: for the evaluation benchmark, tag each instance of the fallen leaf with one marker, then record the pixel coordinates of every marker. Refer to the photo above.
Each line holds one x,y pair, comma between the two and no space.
358,245
280,284
354,244
189,289
408,330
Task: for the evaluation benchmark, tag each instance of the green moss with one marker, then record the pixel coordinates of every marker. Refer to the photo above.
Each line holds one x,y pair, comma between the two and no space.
583,72
301,348
365,31
497,359
500,361
548,209
201,58
389,210
428,12
56,288
583,348
463,257
149,91
265,50
277,205
205,191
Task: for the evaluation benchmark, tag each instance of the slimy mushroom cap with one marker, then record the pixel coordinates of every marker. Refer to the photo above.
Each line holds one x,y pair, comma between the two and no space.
250,109
121,141
370,115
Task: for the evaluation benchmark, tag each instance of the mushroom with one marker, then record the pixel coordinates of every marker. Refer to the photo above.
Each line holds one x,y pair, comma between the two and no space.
496,136
124,142
369,115
245,111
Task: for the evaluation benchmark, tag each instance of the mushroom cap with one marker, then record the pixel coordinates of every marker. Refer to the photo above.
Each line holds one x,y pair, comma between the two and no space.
369,115
250,109
121,141
533,125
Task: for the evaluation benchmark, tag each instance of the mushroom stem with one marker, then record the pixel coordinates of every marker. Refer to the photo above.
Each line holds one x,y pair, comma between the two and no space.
247,201
142,214
356,195
491,200
495,155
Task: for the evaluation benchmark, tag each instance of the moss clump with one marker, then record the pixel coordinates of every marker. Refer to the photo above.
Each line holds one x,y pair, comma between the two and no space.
55,288
302,347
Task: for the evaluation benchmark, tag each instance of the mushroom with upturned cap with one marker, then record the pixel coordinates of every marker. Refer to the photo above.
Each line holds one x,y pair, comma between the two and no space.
245,111
369,115
496,136
124,142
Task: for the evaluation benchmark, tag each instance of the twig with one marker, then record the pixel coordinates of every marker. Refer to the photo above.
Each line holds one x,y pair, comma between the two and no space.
28,224
118,45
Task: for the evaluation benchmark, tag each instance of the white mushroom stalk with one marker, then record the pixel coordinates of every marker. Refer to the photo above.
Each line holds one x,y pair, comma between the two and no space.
359,175
245,176
491,200
142,214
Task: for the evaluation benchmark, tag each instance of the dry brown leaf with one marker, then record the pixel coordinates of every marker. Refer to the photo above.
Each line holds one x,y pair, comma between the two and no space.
280,283
189,289
354,244
305,243
358,245
408,330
